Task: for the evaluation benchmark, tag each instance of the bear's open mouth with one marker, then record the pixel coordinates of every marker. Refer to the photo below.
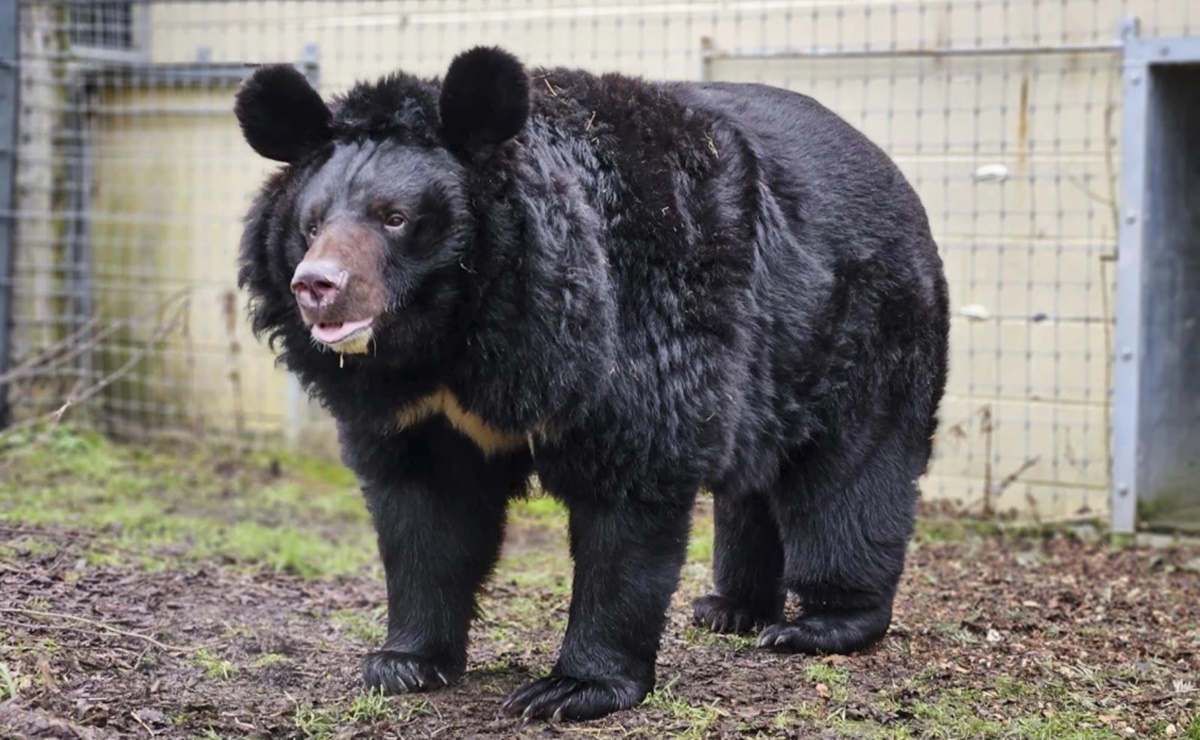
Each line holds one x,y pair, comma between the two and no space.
335,332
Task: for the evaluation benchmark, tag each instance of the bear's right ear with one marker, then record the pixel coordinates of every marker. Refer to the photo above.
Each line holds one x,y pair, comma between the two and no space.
282,116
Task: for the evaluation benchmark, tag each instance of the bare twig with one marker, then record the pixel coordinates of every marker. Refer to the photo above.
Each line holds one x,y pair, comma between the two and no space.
34,613
1011,478
1165,697
992,491
53,356
81,392
138,719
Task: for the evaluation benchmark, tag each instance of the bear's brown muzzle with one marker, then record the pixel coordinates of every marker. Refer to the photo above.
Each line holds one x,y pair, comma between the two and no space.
340,281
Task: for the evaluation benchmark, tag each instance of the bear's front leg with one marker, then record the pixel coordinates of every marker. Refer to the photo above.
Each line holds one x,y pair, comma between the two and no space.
627,561
439,508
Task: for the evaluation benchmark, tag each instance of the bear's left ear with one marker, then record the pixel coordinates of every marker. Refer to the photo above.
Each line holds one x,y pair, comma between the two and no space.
485,98
282,116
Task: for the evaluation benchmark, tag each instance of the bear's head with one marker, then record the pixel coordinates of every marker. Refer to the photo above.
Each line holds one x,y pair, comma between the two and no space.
359,240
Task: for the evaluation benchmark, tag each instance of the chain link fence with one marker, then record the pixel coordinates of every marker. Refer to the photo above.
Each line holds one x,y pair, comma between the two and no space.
132,178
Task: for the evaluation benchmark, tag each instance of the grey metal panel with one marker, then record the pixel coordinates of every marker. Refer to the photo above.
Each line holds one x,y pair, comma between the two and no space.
1170,384
173,75
1156,401
1183,50
9,40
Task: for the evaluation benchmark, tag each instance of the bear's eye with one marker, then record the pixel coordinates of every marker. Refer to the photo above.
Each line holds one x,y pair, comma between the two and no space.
312,228
395,220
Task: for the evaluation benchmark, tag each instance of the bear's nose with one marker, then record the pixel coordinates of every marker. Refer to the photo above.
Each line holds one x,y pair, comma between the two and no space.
317,283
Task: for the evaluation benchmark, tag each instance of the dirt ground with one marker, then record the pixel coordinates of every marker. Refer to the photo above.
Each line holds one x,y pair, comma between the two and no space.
112,627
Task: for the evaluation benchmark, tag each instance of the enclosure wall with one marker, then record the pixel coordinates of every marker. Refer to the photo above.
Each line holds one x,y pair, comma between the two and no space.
1004,115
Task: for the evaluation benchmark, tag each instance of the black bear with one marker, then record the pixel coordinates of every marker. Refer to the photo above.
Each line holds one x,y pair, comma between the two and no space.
633,289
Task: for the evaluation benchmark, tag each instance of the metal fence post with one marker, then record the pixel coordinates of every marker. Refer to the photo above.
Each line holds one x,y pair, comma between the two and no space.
9,72
1129,294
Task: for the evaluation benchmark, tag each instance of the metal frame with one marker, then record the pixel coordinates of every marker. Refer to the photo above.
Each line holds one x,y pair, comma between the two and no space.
139,51
80,84
710,53
9,87
1140,56
86,72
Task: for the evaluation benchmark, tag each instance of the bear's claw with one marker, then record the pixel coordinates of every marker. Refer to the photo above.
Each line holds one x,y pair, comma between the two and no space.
723,616
841,632
400,673
563,697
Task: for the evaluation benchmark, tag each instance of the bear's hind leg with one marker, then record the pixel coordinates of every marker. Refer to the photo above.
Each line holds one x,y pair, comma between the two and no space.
747,564
845,531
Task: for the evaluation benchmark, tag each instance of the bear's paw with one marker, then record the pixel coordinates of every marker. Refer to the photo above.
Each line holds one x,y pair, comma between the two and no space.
724,616
560,697
397,672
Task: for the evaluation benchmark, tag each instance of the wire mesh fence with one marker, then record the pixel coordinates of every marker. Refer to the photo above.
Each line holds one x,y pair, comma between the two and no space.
132,179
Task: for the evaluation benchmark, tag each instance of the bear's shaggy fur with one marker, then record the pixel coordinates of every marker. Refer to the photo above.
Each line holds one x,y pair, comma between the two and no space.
635,290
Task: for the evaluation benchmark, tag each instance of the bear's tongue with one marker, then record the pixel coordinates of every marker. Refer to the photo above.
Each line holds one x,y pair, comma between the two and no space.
332,333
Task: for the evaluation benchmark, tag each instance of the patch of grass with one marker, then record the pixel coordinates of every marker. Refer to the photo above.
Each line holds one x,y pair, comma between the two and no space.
1193,729
700,545
26,546
834,679
955,632
213,665
412,707
1061,726
313,724
149,506
8,684
796,714
697,718
544,569
819,672
367,628
369,707
956,713
707,638
268,659
538,509
529,613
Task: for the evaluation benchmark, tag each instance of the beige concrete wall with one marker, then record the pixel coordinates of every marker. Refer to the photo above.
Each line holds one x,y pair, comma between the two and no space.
1036,243
169,185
